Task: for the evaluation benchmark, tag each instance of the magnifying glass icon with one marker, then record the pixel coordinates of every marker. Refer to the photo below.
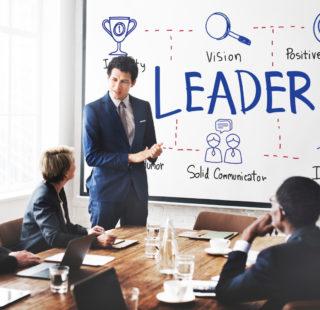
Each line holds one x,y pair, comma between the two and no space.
218,27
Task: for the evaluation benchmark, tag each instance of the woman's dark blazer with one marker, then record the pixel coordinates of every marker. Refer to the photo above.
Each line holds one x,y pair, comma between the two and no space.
44,225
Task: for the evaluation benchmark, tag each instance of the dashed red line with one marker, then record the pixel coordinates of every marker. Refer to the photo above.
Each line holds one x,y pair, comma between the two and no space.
176,132
272,52
281,156
280,146
180,149
279,27
176,142
169,30
279,136
171,48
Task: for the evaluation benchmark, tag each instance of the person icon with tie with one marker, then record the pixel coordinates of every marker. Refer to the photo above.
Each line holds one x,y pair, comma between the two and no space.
232,154
213,153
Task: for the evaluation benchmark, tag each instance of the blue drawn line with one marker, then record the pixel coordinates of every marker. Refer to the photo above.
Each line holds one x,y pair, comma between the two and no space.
316,28
119,27
218,27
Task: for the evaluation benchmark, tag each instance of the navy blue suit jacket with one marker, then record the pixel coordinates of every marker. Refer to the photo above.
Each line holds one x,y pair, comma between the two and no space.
43,225
282,273
106,149
7,263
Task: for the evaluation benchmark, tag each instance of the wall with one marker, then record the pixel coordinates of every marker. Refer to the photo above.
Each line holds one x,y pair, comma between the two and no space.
70,130
182,215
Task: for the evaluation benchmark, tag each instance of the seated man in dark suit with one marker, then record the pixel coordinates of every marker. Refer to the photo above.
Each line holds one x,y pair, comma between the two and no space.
9,261
285,272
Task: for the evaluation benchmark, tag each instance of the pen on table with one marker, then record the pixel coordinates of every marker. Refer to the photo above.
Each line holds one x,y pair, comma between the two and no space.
118,241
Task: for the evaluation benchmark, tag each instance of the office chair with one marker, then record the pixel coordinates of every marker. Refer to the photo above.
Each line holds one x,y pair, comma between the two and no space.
10,233
222,221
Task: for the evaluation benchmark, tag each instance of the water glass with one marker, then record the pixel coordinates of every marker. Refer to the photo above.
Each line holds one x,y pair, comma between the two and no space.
184,267
152,247
59,279
131,297
153,231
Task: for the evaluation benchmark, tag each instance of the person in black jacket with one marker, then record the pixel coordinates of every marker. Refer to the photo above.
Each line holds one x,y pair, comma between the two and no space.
46,221
9,261
284,272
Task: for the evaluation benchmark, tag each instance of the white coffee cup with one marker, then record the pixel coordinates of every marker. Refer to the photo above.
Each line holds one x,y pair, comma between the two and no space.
219,244
175,289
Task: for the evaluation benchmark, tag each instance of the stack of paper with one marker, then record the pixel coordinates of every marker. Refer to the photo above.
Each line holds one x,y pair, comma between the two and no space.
89,260
207,234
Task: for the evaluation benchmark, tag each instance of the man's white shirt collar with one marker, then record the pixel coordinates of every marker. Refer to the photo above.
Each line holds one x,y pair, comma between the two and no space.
117,102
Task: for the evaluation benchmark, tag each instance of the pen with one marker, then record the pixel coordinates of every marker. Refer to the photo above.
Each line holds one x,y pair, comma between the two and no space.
119,241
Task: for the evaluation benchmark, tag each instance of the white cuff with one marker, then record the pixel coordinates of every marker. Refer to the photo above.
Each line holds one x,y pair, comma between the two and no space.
242,245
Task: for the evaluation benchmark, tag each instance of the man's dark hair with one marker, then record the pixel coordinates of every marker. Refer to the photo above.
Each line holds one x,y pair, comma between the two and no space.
300,199
124,64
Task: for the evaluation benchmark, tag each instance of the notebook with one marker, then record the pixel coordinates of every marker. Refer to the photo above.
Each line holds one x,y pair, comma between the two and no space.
207,234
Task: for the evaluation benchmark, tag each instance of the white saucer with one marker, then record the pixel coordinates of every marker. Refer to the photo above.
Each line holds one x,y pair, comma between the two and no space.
164,298
213,251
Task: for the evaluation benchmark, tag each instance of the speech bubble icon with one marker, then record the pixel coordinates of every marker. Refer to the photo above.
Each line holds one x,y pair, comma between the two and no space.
223,125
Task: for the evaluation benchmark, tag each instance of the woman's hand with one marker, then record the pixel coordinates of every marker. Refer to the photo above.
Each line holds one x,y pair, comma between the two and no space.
96,230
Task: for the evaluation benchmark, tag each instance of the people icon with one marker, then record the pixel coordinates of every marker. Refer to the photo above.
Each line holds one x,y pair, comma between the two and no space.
213,153
232,154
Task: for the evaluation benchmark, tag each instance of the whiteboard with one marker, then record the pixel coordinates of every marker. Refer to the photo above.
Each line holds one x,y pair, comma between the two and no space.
233,86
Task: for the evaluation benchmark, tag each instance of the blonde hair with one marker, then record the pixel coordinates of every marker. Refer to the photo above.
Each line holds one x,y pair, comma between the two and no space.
55,163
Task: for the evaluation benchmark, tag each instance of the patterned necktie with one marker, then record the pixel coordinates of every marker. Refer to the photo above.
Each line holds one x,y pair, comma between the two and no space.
122,110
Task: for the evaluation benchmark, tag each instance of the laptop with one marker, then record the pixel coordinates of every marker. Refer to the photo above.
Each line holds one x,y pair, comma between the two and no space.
73,257
99,291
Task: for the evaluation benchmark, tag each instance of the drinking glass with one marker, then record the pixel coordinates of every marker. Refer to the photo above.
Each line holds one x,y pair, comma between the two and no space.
184,267
59,279
152,247
153,231
131,297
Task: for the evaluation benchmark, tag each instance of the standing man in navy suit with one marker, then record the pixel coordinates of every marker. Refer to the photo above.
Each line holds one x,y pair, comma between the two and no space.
118,136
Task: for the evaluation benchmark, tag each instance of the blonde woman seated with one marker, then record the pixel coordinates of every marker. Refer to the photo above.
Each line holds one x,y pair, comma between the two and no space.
46,222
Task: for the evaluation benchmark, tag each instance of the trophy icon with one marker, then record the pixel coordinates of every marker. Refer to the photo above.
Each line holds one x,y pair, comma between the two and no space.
118,28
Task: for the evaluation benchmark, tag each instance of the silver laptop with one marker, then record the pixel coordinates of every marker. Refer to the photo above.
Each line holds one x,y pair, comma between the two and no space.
73,257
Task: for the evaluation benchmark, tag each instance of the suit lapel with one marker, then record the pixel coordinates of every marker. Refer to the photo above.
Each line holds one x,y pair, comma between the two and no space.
137,114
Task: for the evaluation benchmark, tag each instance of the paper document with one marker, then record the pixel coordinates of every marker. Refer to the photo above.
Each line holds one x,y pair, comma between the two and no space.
207,234
89,260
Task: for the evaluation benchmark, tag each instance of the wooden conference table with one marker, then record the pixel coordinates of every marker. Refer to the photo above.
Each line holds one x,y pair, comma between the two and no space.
133,269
